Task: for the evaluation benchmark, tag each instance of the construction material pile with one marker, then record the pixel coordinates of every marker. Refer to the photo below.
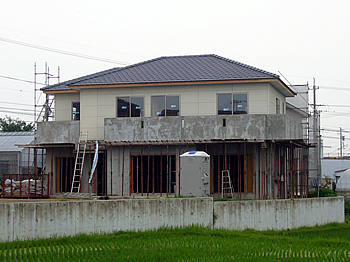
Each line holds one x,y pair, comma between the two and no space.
25,187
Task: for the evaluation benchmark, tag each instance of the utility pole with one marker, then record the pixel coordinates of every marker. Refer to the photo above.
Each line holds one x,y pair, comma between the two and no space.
316,138
341,142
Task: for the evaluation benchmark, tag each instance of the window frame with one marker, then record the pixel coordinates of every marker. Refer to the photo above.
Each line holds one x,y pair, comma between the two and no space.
74,114
233,112
165,109
130,108
278,106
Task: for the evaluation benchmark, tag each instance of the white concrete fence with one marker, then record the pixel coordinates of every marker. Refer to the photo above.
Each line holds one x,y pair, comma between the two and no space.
21,221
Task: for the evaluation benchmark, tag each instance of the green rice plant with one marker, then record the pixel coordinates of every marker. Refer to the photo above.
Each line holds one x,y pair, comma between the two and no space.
323,243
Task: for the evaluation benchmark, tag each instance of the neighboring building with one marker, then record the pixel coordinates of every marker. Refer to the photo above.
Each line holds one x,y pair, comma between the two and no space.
146,115
16,160
334,167
343,185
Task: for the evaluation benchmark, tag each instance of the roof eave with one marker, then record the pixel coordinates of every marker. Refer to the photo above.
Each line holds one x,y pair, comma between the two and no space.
60,91
205,82
283,88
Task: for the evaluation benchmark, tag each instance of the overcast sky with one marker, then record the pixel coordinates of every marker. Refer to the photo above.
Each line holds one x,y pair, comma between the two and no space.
301,39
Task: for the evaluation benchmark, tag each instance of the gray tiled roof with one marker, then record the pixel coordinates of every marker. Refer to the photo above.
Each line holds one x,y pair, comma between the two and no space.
172,69
65,85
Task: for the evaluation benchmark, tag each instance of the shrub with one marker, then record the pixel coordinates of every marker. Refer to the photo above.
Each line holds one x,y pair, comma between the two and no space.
347,205
324,192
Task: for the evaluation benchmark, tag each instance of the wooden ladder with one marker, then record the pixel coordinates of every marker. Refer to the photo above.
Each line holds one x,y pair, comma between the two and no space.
79,163
226,184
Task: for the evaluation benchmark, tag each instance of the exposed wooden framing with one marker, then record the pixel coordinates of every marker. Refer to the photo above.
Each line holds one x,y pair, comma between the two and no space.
264,171
111,170
245,169
51,170
131,173
105,170
153,175
148,167
167,170
291,171
219,172
66,175
161,171
239,171
254,170
141,171
123,164
179,171
273,175
279,172
225,161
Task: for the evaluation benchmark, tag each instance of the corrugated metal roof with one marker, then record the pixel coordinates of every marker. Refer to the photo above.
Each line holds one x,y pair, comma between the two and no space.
171,69
8,140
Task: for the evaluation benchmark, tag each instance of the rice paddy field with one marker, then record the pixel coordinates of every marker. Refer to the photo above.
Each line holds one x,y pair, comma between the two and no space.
322,243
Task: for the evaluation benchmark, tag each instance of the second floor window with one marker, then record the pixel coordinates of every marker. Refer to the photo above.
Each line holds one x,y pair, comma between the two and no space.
129,106
278,106
229,104
165,106
76,111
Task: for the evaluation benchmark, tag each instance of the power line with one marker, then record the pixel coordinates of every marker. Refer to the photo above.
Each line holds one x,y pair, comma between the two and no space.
16,112
15,103
67,42
21,109
22,80
14,89
336,88
62,52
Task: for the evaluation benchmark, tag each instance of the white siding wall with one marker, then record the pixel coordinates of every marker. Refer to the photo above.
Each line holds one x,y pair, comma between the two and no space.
63,105
273,94
97,104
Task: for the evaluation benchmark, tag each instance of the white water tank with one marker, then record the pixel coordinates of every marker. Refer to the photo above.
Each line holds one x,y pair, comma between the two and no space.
195,174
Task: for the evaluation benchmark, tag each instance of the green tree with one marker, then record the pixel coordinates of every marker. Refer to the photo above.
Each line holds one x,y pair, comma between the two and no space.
8,124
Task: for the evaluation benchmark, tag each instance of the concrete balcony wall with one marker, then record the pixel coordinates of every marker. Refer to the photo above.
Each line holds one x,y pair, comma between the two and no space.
58,132
202,128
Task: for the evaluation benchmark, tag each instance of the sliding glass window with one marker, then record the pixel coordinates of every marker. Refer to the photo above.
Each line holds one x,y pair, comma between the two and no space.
136,106
229,104
172,106
165,106
76,111
240,103
224,104
129,106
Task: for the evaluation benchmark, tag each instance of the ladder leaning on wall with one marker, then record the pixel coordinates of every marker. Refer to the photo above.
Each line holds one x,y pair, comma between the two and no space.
79,163
226,185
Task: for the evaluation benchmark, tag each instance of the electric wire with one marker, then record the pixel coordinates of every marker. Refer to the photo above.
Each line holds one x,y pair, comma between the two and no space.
3,102
62,52
67,42
22,80
15,89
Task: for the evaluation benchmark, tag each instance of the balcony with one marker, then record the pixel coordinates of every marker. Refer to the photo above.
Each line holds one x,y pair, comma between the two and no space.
259,127
61,132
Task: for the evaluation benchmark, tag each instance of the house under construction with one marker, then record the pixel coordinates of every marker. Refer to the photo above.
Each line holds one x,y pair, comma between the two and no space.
144,116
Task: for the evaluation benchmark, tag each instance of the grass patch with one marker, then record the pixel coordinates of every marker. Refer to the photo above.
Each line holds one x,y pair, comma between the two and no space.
322,243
